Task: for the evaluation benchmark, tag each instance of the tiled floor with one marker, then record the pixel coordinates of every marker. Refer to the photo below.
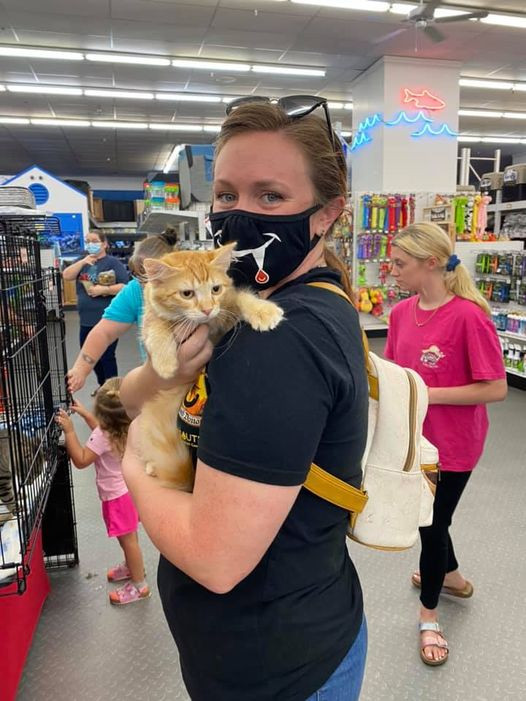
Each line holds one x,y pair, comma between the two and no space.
86,650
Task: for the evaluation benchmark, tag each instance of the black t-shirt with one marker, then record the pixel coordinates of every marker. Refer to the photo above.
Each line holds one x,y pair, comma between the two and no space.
90,309
277,402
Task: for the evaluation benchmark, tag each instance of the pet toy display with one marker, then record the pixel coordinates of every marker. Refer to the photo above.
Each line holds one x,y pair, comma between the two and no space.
380,217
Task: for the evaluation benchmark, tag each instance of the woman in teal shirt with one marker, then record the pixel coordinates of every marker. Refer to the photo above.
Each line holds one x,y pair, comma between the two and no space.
125,311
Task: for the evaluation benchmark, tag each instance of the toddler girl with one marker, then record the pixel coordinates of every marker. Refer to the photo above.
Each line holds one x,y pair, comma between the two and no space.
105,448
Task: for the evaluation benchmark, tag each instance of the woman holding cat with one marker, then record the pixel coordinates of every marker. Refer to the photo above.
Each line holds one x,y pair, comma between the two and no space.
125,311
257,585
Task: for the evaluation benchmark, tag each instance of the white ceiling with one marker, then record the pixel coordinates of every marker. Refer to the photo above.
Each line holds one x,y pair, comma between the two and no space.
342,42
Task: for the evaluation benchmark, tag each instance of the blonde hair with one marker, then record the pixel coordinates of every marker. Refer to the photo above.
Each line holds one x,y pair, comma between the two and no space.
424,240
151,247
326,162
111,415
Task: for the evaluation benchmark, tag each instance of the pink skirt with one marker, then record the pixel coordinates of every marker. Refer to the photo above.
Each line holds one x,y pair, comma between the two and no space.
120,515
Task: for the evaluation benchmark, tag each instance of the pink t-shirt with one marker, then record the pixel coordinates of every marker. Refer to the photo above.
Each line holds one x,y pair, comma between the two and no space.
109,479
459,346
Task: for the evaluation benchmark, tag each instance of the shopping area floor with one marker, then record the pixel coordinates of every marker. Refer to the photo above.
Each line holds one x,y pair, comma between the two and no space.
87,650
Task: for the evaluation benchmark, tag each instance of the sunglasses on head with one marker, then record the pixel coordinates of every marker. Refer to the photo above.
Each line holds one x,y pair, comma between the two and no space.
294,106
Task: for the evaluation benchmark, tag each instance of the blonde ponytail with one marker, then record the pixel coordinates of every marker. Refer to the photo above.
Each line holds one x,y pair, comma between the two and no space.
424,240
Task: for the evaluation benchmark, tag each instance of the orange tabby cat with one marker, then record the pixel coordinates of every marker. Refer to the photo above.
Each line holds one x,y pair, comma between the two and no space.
186,289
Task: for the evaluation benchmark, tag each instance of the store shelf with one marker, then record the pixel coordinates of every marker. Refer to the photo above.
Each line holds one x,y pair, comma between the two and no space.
510,334
155,222
507,206
511,371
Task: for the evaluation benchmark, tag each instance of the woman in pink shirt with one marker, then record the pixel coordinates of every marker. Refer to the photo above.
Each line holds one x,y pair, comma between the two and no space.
105,447
445,333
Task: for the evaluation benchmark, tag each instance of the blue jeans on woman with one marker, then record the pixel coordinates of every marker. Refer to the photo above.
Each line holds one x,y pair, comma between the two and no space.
345,682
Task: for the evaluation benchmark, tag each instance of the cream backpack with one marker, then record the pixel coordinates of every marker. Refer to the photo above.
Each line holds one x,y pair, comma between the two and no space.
396,496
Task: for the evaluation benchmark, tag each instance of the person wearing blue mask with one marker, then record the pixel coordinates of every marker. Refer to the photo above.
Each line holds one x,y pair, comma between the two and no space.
257,585
99,277
124,312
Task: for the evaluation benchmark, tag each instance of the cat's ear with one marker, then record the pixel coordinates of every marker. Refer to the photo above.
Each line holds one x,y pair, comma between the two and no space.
223,256
157,271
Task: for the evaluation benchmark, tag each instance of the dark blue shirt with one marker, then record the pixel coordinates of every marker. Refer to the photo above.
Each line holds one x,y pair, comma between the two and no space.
90,309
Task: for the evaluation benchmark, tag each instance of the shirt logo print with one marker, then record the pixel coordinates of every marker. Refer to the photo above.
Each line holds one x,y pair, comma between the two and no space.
431,356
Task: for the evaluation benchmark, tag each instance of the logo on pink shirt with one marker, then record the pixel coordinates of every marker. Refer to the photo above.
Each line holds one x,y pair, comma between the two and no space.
431,356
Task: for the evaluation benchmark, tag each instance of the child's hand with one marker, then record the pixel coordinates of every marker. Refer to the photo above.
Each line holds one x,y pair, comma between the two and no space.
64,421
79,408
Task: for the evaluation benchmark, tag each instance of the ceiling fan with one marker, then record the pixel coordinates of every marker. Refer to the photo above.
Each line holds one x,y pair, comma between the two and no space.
423,18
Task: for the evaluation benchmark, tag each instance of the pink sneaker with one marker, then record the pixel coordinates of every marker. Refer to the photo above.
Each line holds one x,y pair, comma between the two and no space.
128,594
118,573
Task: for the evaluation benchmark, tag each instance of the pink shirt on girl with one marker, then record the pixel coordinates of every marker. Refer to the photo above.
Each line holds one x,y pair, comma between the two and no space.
458,346
108,470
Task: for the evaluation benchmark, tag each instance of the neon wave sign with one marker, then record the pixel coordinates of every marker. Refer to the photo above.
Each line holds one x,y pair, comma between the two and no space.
424,102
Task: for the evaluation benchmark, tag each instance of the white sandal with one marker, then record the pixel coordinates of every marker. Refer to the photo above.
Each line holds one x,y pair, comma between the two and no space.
433,628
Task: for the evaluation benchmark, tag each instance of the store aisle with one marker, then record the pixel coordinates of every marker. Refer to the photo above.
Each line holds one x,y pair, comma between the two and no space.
86,650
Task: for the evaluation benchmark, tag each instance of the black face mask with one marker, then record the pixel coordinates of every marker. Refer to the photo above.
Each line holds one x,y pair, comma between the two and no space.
269,246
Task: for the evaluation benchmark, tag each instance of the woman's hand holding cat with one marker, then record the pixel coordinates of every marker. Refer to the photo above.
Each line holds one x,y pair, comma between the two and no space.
143,383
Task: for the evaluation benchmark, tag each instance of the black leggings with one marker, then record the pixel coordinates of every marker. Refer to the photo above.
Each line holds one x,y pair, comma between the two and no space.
437,556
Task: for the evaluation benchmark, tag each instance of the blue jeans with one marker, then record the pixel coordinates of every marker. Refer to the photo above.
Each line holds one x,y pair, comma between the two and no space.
106,367
345,683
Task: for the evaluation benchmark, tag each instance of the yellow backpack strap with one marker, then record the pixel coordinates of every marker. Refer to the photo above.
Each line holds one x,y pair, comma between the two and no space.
335,490
373,381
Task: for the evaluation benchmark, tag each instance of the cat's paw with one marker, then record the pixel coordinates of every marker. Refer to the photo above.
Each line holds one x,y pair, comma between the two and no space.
149,468
165,366
265,316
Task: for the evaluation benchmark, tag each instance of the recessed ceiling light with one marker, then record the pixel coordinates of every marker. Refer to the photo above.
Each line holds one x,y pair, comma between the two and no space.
131,95
520,87
41,53
44,89
211,65
469,139
212,128
134,60
365,5
492,84
61,122
13,120
287,70
479,113
335,105
169,126
119,125
514,115
346,134
183,97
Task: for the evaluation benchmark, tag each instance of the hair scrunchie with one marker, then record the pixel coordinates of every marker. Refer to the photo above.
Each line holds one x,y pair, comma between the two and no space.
452,263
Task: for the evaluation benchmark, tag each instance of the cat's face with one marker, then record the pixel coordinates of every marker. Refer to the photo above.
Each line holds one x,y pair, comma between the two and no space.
190,284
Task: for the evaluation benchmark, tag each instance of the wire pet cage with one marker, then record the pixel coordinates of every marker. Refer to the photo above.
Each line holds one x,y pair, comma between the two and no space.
32,387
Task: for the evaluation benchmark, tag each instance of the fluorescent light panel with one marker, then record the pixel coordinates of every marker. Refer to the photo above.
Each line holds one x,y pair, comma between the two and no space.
287,70
211,65
183,97
365,5
505,21
171,158
61,122
16,52
120,125
175,127
491,84
479,113
13,120
44,89
126,94
131,59
402,8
